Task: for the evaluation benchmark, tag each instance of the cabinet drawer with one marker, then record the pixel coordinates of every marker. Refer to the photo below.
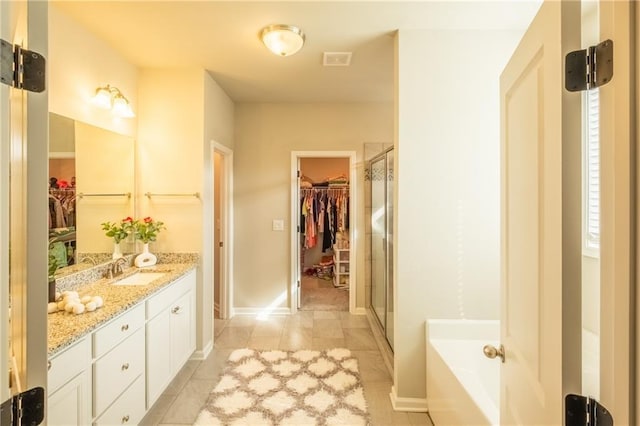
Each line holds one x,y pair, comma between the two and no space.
117,330
160,301
128,409
117,369
68,364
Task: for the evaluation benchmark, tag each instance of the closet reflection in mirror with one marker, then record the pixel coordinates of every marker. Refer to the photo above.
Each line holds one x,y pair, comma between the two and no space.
91,181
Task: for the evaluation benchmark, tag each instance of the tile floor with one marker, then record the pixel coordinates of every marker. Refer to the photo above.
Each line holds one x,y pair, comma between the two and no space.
184,398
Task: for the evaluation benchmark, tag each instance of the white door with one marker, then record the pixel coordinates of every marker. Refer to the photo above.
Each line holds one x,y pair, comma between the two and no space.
540,132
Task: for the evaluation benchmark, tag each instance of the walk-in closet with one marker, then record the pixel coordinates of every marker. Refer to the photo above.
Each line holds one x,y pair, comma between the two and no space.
324,234
381,303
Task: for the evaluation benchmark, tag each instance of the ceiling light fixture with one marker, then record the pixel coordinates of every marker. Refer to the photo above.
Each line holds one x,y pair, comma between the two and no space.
109,97
282,40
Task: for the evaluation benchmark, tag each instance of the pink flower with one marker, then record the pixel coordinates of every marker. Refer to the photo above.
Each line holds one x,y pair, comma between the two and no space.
127,219
147,219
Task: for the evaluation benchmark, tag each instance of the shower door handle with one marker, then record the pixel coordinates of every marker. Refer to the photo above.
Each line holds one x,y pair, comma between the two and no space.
490,351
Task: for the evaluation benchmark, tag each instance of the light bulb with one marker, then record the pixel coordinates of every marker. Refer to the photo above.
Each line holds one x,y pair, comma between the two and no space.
102,98
121,107
283,40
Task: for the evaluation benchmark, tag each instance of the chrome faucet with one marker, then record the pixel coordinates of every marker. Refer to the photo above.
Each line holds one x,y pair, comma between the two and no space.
116,267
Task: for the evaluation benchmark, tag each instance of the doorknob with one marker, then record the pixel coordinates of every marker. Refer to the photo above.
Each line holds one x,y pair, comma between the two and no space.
490,351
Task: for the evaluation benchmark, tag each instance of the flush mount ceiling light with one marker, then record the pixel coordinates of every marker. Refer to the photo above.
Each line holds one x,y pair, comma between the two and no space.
109,97
282,40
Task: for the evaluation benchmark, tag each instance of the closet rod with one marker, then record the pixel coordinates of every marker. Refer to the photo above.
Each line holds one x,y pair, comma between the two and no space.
124,194
192,194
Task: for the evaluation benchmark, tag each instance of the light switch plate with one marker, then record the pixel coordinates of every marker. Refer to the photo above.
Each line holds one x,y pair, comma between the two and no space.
278,225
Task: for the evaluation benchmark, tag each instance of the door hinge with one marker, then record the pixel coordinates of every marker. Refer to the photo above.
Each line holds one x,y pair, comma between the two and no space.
585,411
589,68
21,68
220,244
298,173
23,409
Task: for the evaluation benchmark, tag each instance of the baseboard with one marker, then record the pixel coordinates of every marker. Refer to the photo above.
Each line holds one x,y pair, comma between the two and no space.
359,311
261,311
204,353
415,405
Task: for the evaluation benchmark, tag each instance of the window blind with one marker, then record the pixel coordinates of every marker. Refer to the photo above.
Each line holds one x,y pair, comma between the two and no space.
592,169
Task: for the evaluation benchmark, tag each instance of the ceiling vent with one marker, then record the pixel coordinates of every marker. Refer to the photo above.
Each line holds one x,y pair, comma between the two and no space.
336,59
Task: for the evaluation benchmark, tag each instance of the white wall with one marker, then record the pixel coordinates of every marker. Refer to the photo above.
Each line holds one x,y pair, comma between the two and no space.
265,136
447,254
77,64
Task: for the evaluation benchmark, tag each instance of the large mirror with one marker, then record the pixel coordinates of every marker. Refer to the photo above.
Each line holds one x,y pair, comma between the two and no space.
91,181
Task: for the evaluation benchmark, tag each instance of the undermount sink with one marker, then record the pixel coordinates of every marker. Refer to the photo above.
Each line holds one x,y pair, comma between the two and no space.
140,278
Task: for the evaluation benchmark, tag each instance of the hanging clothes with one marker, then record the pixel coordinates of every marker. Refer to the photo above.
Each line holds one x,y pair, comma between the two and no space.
323,211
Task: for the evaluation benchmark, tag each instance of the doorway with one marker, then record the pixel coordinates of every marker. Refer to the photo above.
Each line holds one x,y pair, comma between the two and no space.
323,240
222,226
324,237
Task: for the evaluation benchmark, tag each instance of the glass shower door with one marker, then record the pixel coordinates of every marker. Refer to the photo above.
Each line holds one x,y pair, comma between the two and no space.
378,241
389,329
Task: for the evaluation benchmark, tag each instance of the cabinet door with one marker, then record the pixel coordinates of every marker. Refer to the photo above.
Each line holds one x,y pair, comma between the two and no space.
182,342
159,370
71,404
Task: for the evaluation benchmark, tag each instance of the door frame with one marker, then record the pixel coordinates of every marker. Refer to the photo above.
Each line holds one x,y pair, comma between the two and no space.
353,223
226,229
26,24
618,222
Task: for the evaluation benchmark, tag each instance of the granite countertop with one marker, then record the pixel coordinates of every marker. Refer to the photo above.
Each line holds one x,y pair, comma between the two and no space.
66,328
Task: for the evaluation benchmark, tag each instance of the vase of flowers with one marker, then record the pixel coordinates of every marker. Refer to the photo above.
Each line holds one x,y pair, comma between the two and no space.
146,230
118,231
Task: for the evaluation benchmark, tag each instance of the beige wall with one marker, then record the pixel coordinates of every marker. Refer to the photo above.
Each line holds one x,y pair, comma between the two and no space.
446,256
265,136
177,124
320,169
77,64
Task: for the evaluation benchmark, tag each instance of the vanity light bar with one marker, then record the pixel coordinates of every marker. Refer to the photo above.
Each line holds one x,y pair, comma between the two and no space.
192,194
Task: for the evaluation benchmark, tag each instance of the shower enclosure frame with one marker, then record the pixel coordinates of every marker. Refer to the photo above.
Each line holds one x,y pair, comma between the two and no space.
382,279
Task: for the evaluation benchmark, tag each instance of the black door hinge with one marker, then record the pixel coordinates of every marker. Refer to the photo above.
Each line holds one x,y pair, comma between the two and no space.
585,411
21,68
589,68
24,409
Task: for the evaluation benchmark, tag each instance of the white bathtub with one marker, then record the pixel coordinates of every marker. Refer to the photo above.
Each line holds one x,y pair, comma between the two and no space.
463,386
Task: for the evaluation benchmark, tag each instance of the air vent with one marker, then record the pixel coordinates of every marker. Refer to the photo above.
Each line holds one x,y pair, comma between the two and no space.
336,59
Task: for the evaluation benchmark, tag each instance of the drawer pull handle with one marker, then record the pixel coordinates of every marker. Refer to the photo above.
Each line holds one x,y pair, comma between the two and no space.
125,419
125,366
48,365
176,310
124,327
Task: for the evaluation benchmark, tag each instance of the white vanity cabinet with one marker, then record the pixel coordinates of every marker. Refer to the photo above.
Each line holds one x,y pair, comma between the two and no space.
69,388
114,374
170,334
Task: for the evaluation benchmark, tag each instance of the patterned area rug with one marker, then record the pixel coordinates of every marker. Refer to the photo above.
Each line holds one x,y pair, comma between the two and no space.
287,388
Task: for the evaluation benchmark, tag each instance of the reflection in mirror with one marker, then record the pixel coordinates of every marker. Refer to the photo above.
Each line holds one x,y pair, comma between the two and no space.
91,181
